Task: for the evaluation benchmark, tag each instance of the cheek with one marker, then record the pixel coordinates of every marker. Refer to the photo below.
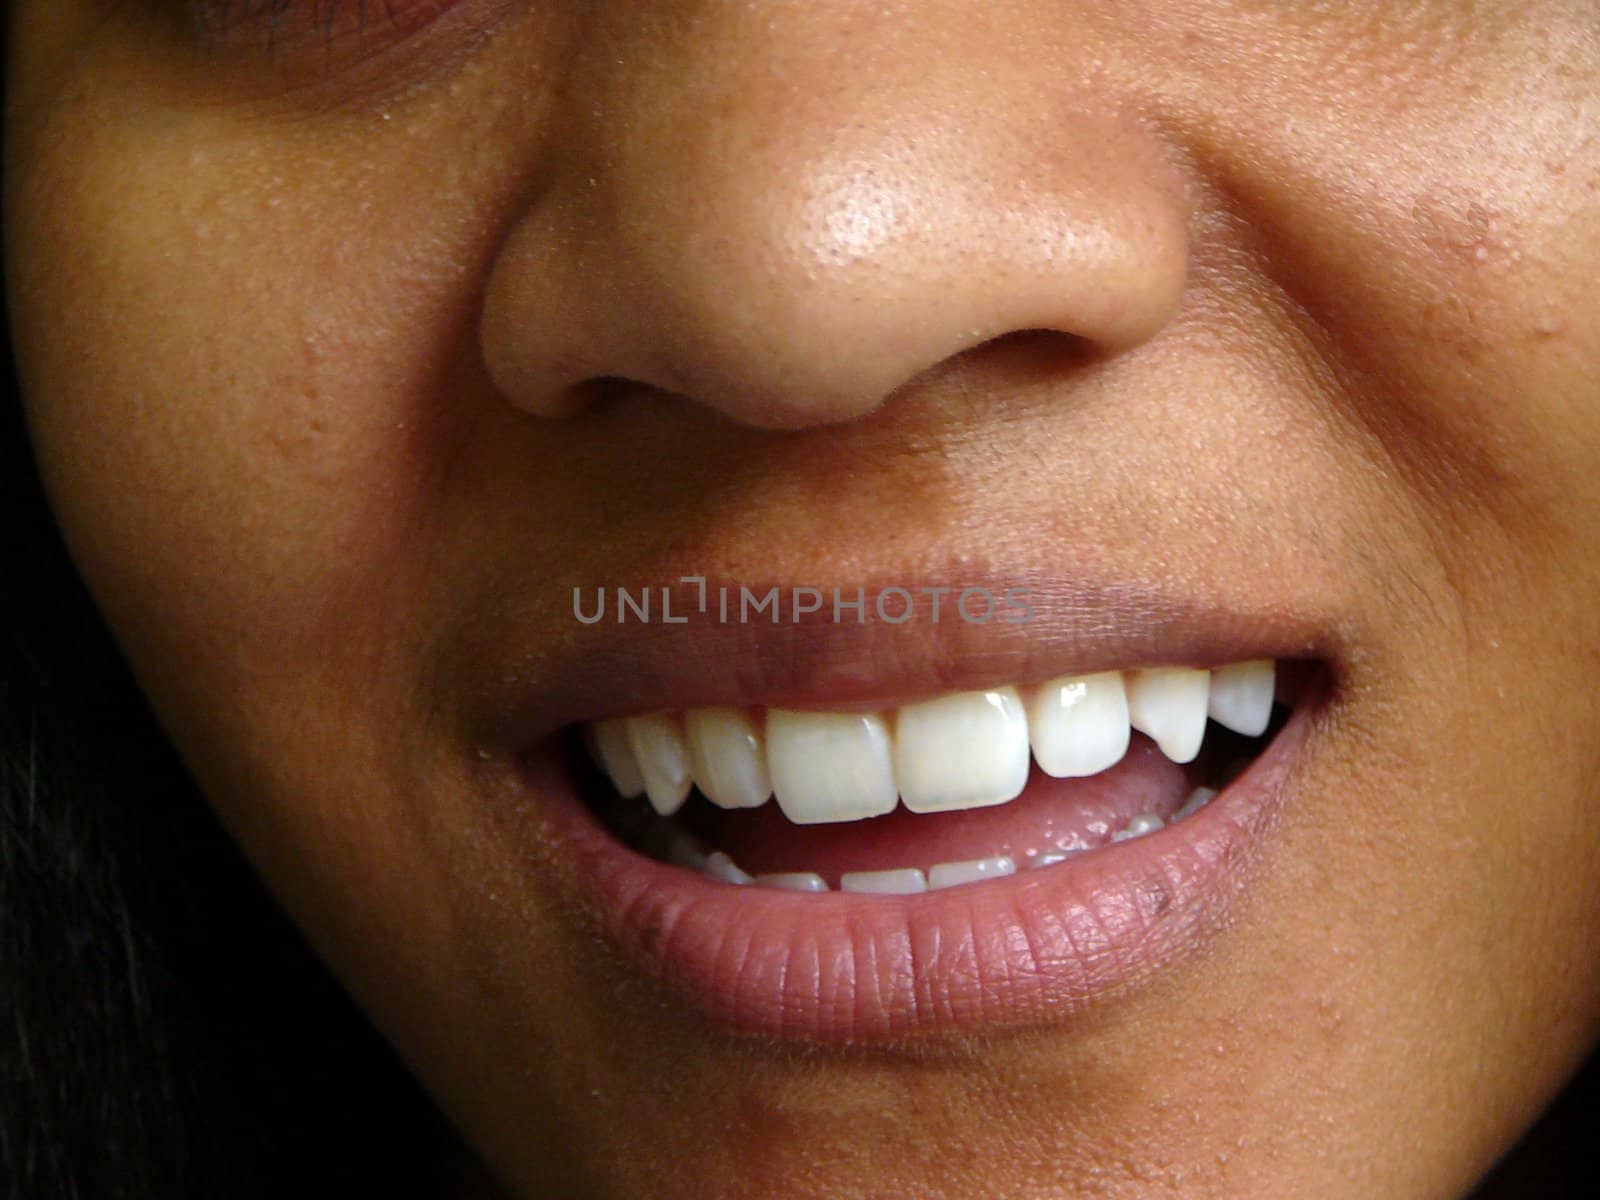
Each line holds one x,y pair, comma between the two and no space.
232,361
234,356
246,356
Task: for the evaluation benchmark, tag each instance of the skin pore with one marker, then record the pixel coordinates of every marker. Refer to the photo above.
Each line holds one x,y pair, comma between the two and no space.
1286,310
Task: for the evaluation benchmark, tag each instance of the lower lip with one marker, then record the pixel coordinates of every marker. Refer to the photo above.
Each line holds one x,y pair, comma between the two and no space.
1032,948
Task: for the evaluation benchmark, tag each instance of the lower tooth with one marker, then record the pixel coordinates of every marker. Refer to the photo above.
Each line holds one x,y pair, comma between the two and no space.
719,866
1141,825
683,850
885,883
954,874
1051,859
1197,800
794,881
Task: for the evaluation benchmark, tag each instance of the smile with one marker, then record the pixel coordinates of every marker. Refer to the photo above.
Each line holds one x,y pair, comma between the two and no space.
834,834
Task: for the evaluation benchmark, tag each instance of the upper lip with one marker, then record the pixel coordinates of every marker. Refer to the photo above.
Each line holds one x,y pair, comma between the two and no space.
1080,624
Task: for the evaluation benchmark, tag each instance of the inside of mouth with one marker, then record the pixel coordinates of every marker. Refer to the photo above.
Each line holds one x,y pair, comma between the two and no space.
1051,821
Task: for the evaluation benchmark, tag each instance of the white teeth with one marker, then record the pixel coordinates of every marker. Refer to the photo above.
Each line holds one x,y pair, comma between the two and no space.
616,757
964,750
719,866
969,750
830,766
663,760
954,874
1141,825
958,751
1197,800
1079,724
794,881
1169,704
728,756
1241,696
884,883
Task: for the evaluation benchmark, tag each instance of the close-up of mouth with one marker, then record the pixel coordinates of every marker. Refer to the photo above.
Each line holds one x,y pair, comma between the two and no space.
981,856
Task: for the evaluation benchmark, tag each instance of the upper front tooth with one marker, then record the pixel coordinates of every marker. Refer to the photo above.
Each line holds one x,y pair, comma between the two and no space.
728,756
830,766
617,758
963,751
1241,696
1169,704
663,760
1079,724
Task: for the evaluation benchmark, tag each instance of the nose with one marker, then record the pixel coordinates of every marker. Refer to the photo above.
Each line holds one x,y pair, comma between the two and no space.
789,220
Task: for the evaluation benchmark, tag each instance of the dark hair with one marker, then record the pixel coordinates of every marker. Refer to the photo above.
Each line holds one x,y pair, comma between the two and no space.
165,1033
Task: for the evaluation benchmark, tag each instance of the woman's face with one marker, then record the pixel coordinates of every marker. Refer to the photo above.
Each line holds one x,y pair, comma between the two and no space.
1229,331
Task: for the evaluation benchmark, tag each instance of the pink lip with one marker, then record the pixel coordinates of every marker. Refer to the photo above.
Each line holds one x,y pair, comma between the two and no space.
1036,947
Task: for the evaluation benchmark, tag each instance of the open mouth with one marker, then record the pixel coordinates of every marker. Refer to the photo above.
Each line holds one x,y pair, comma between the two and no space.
947,792
842,835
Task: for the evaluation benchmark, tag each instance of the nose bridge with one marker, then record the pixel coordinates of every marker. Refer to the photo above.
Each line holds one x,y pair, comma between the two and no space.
788,219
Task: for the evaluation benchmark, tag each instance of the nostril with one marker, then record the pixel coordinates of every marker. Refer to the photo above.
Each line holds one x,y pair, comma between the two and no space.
1020,358
607,393
601,391
1043,349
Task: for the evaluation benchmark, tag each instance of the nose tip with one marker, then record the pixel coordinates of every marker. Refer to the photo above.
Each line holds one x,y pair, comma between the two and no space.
804,283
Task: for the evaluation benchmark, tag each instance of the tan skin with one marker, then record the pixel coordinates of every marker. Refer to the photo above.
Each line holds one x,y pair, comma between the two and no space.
294,335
